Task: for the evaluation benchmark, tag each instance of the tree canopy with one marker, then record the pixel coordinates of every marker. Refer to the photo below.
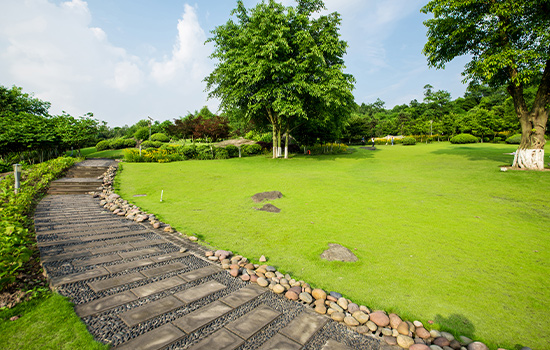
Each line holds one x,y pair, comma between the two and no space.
509,45
282,66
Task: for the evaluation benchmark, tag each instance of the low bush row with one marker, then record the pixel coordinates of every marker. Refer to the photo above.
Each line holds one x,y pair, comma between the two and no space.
170,153
328,148
115,144
16,214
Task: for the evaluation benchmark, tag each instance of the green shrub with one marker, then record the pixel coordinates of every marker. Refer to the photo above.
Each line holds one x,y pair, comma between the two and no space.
102,145
160,137
15,212
116,143
188,152
142,133
5,167
232,151
463,138
151,144
205,152
497,139
251,149
486,139
514,139
221,153
407,141
128,143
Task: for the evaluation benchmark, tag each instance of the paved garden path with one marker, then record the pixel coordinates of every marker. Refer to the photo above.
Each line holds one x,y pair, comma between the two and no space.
136,287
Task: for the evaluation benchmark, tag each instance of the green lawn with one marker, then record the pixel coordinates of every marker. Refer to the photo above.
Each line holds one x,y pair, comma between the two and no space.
46,323
440,232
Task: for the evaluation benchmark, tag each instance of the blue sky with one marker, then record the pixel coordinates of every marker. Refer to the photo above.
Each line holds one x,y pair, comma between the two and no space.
124,60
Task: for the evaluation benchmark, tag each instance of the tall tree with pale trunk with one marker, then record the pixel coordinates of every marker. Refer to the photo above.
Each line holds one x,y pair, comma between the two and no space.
282,66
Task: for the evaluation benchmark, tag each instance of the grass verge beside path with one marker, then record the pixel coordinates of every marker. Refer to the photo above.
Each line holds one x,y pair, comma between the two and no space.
46,323
441,234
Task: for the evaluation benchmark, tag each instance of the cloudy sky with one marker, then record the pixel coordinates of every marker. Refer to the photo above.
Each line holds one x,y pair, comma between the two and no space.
124,60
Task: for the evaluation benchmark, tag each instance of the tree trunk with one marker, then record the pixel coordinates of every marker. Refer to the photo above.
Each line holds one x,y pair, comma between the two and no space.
530,153
274,142
286,145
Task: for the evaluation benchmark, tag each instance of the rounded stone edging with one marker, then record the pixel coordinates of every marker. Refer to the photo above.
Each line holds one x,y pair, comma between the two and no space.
377,324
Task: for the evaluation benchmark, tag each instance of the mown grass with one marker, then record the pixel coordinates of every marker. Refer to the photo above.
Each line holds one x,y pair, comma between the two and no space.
441,233
45,323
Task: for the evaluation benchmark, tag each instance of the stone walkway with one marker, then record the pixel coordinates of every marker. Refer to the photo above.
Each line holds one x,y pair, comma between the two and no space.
136,287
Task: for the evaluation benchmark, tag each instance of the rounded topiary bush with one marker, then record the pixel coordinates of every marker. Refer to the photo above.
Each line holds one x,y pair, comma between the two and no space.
497,139
463,138
103,145
514,139
221,153
251,149
408,141
160,137
129,143
232,150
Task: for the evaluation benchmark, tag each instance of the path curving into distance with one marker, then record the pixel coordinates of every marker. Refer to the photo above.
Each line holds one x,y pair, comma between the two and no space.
137,287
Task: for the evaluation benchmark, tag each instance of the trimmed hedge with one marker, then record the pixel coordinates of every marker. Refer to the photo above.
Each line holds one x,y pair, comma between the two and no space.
514,139
408,141
463,138
115,144
151,144
160,137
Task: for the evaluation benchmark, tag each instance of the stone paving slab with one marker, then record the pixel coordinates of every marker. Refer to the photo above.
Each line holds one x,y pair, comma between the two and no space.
243,296
157,287
156,339
221,340
98,286
148,311
128,266
103,304
161,270
280,342
247,325
199,292
197,319
200,273
133,254
80,276
303,327
187,303
99,260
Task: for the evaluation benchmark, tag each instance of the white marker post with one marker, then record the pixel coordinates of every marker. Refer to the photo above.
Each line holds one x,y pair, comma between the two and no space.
17,174
161,193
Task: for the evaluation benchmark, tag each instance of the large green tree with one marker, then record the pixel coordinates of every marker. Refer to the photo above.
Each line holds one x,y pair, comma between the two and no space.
282,66
509,44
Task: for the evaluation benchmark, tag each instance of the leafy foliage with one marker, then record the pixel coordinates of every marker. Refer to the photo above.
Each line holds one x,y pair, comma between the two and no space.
28,132
408,141
509,45
15,237
160,137
463,138
282,67
142,133
514,139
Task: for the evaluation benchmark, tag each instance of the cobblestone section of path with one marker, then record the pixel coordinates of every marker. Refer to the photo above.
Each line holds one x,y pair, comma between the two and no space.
140,288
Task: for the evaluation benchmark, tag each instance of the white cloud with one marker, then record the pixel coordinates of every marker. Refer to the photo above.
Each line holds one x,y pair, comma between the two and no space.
53,51
188,52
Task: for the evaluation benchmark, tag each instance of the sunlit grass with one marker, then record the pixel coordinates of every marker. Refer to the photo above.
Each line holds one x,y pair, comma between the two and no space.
46,323
440,232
